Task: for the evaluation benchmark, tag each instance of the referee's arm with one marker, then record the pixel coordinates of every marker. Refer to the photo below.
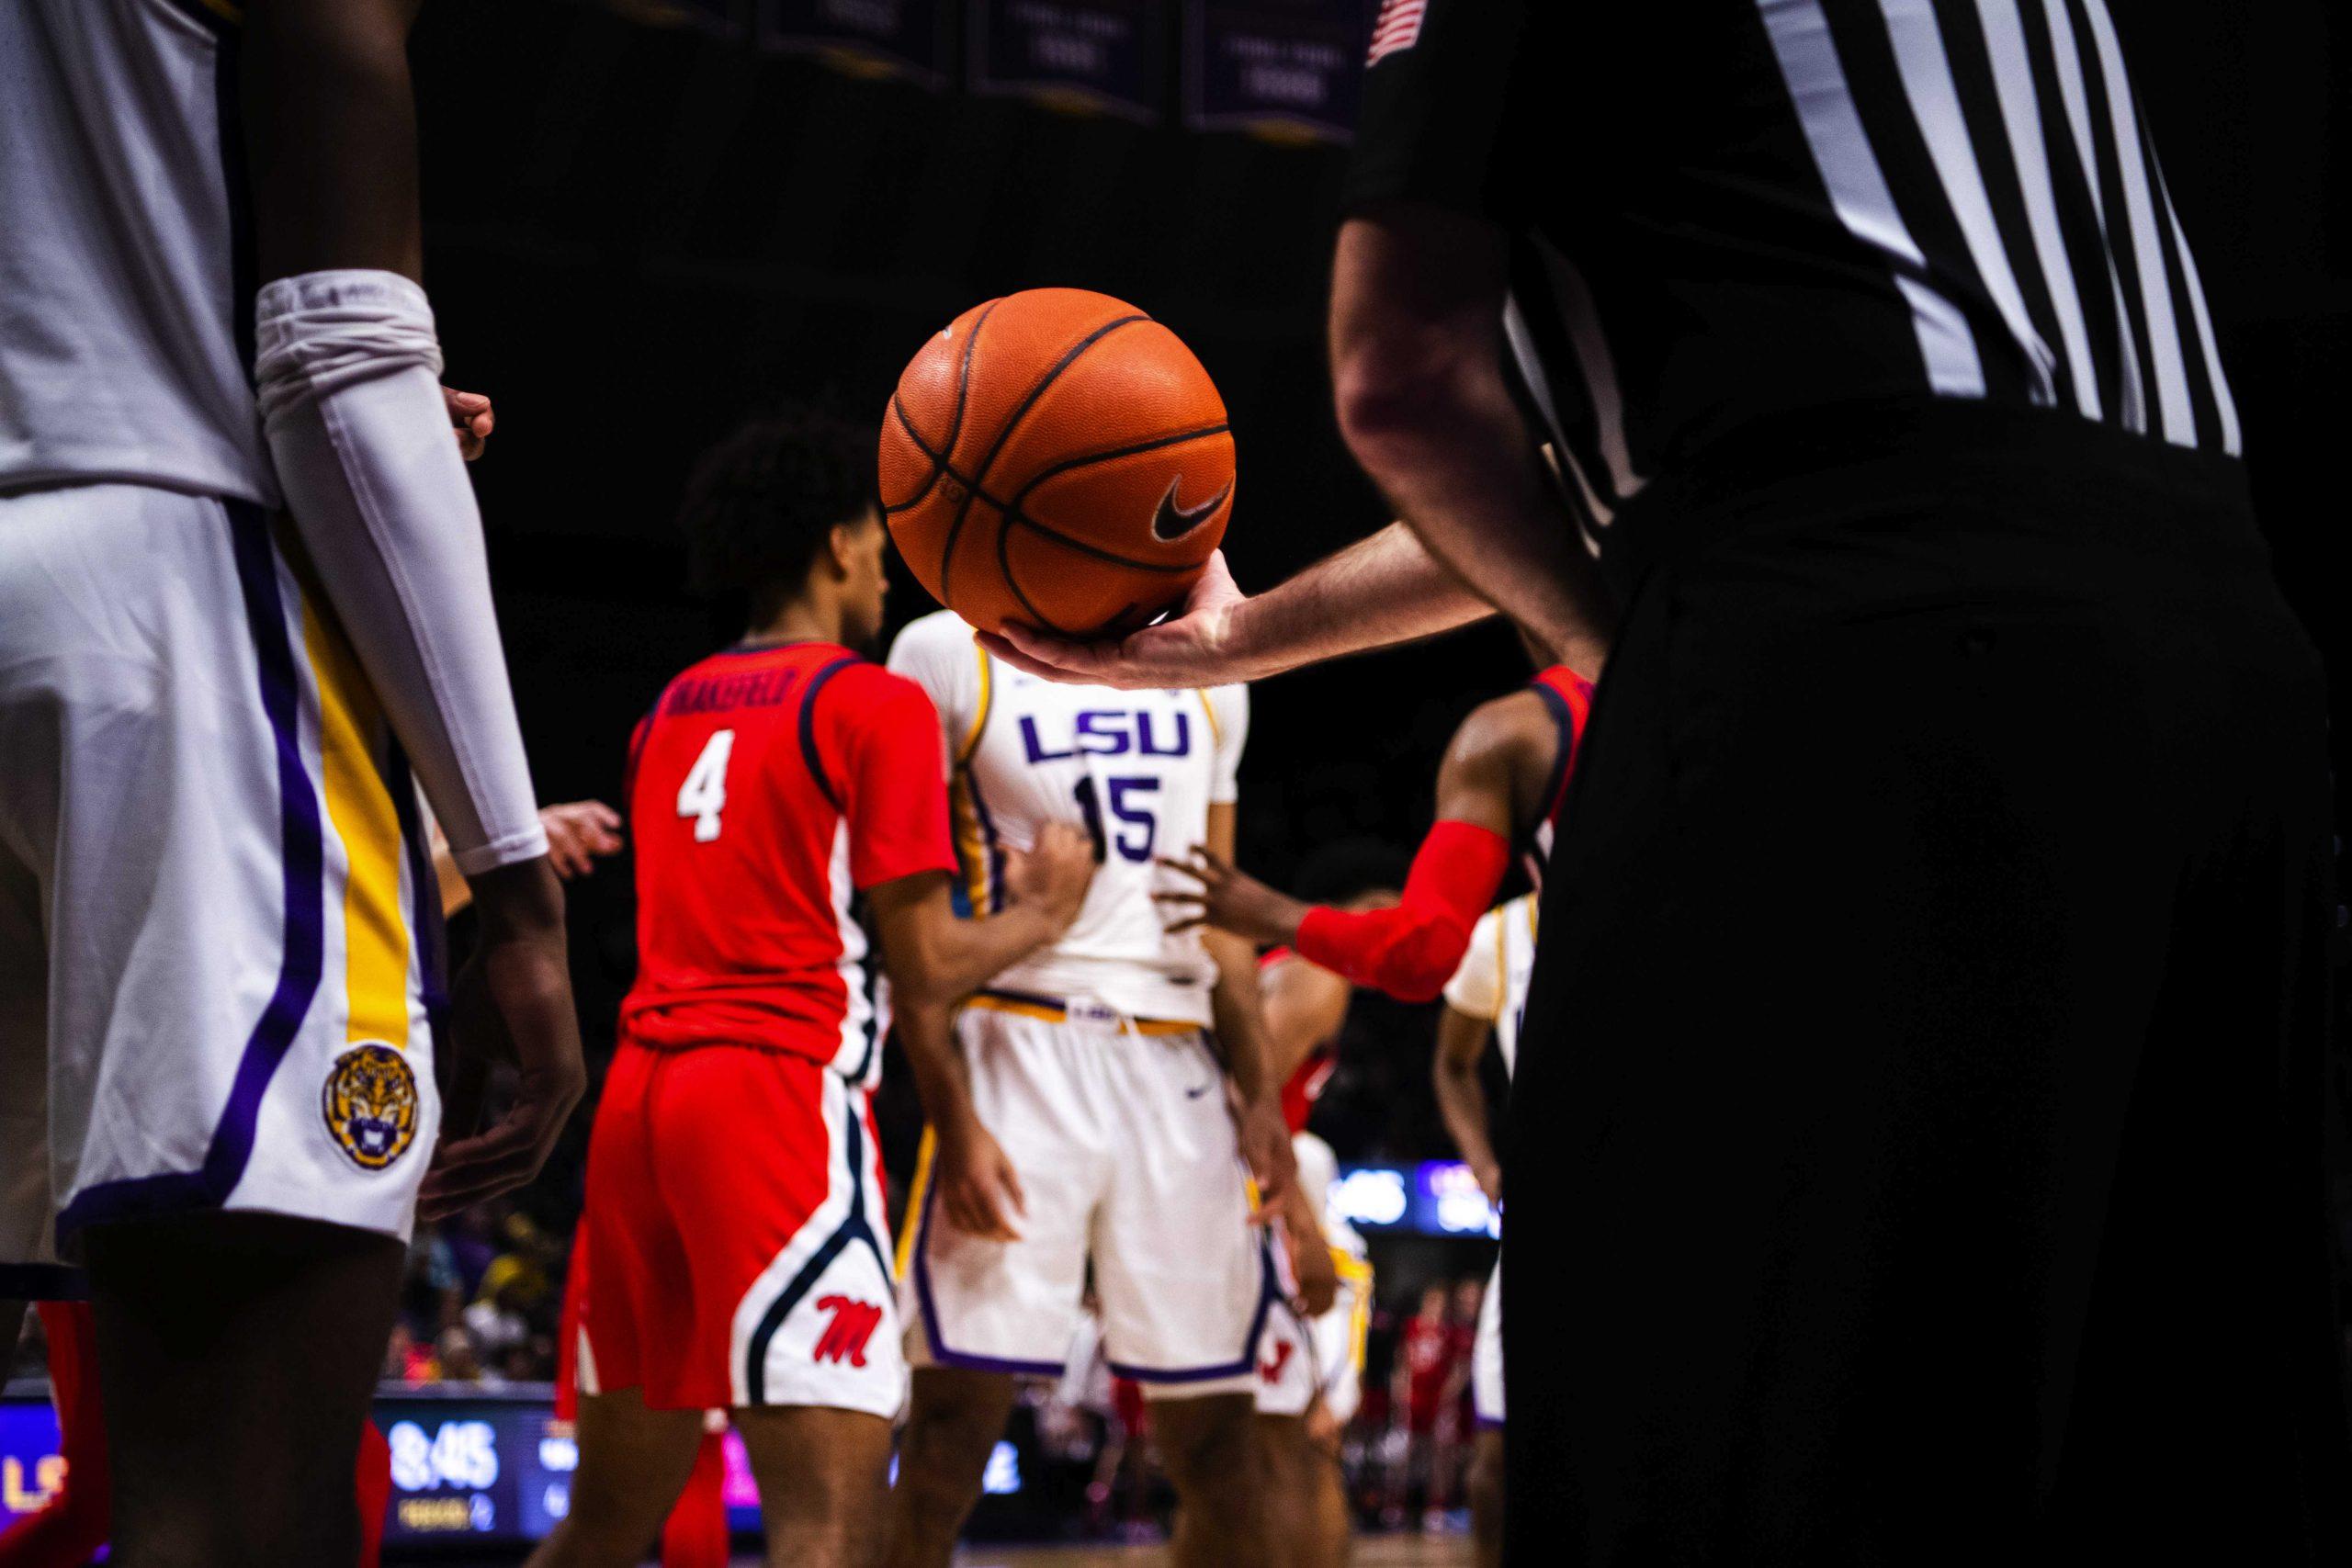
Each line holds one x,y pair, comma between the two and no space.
1418,290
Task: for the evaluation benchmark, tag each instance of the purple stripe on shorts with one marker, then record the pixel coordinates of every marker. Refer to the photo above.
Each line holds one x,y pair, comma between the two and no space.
301,854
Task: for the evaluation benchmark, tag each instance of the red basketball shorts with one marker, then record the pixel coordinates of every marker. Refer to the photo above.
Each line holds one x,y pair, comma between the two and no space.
741,1249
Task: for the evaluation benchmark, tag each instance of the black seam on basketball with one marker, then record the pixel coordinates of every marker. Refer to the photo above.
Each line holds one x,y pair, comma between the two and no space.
1004,570
940,459
1005,434
1090,459
939,465
1097,551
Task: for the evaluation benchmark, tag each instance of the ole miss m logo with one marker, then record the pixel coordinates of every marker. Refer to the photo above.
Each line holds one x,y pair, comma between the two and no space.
844,1337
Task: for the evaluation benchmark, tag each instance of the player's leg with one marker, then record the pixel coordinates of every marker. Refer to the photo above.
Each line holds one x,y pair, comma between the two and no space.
634,1461
1486,1488
263,1333
822,1474
981,1313
1209,1446
1305,1495
1484,1479
1187,1285
953,1424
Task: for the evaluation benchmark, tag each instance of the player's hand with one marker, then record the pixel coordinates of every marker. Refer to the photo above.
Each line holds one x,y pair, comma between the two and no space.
1193,647
512,1002
1316,1272
978,1189
471,417
1323,1427
580,833
1054,875
1265,1148
1228,898
1491,1181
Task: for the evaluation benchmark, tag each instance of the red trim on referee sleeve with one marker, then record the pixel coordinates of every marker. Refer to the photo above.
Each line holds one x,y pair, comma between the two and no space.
1411,951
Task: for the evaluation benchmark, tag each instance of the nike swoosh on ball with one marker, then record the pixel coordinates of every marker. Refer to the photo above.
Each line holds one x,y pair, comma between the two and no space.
1173,521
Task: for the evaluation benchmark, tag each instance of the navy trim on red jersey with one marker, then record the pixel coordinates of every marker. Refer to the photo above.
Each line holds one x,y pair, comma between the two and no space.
809,752
1555,787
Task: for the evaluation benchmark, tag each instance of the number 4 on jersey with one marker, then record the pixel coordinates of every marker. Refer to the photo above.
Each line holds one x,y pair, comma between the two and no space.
704,794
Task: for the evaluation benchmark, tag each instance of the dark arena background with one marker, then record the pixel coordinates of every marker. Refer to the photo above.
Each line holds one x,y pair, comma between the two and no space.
641,227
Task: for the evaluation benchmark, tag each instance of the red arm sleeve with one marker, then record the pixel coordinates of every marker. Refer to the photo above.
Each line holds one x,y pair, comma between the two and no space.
896,799
1411,951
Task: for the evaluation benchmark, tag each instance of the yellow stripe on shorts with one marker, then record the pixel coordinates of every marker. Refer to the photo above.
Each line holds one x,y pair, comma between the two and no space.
911,1221
375,925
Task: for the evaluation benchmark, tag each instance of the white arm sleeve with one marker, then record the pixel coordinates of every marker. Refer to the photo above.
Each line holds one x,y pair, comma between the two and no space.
348,374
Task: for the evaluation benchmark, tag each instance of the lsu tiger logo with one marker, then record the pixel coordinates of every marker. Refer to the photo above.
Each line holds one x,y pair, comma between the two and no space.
371,1105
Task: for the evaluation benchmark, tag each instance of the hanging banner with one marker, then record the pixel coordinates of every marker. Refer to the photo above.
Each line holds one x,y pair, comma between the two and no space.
881,37
1109,55
1288,69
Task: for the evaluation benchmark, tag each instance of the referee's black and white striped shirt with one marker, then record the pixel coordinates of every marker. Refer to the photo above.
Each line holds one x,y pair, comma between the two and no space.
1732,208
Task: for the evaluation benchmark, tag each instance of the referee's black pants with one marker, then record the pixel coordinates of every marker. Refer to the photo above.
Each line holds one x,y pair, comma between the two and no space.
1917,1126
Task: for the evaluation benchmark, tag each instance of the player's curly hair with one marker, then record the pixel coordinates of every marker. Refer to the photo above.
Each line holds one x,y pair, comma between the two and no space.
760,503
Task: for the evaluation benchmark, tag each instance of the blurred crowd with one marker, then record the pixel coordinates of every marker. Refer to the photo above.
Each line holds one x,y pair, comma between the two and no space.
480,1300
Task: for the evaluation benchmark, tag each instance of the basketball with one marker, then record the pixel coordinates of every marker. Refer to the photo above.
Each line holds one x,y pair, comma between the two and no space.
1059,459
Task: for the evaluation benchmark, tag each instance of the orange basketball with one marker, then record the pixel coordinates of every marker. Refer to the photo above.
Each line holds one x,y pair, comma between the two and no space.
1057,458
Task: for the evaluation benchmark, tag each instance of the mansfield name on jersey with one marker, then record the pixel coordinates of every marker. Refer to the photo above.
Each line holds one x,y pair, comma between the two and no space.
1139,770
766,789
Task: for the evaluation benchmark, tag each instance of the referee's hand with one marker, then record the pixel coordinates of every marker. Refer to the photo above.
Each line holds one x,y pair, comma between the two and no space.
1191,647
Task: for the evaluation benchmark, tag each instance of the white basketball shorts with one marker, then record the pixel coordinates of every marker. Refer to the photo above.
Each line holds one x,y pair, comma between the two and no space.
219,928
1487,1355
1127,1158
1301,1357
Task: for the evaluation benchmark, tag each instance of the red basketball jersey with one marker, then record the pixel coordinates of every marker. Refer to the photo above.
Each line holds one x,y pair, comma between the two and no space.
1304,1084
766,789
1569,696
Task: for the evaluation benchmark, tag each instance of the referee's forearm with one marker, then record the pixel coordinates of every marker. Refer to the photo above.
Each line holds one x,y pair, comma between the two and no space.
1381,591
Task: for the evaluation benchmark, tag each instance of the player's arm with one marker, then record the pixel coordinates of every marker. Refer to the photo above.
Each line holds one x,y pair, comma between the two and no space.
579,833
934,955
1312,1265
1381,591
1488,790
1241,1034
979,1190
1462,1099
347,379
1304,1004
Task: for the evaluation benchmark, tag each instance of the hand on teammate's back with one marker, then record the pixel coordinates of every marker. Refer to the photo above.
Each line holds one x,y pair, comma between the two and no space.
1054,875
1230,899
512,1002
1191,647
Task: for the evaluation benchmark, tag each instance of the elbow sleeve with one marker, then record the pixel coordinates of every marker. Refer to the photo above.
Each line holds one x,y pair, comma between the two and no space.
1411,951
348,376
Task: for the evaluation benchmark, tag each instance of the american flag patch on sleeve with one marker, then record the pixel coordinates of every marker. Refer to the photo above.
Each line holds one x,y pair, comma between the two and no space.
1397,27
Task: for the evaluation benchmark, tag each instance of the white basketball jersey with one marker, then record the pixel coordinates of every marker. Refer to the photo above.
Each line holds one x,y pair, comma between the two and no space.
1493,979
125,266
1138,770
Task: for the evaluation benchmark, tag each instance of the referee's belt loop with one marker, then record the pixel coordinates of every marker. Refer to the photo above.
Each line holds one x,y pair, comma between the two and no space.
1057,1009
